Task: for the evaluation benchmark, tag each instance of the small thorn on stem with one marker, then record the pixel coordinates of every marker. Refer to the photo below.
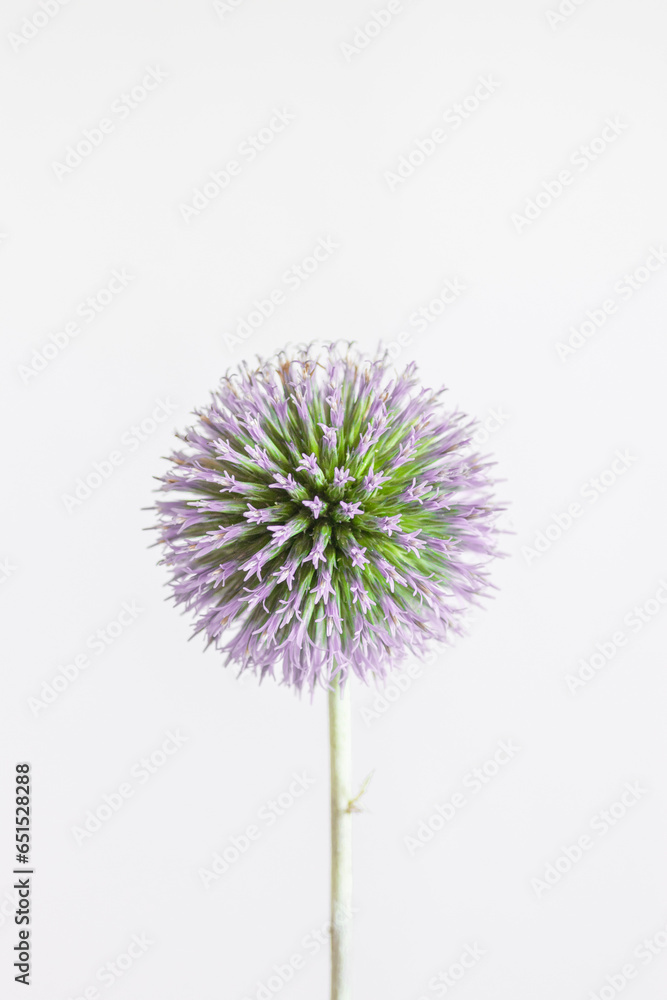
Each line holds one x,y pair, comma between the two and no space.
352,806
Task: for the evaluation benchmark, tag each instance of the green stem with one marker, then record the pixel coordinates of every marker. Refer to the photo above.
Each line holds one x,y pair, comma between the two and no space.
340,726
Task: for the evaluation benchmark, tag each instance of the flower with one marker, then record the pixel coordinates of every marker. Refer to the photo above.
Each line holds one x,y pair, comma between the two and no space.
325,515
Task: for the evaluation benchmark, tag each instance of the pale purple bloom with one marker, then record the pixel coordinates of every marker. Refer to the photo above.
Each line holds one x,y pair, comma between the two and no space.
303,568
359,594
287,572
414,493
342,477
316,506
260,456
374,480
230,483
350,509
323,588
410,540
308,464
334,401
258,516
389,524
281,532
329,436
316,554
281,482
358,556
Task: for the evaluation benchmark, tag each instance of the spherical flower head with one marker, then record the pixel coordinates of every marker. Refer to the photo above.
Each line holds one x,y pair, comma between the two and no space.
326,516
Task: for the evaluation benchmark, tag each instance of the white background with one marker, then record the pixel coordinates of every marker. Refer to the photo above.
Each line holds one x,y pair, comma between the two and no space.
166,336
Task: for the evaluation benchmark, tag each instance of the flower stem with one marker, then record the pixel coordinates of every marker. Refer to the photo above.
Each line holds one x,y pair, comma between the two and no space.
340,726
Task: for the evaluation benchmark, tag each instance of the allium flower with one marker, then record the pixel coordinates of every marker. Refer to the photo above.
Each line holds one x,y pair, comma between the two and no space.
326,515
